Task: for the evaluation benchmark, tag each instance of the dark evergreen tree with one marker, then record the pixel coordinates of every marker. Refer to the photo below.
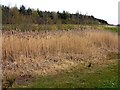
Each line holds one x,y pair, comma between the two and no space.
29,11
22,10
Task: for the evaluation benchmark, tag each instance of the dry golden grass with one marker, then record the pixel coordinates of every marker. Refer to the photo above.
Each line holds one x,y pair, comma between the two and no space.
41,53
67,42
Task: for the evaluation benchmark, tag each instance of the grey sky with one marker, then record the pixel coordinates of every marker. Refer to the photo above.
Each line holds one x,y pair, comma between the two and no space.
103,9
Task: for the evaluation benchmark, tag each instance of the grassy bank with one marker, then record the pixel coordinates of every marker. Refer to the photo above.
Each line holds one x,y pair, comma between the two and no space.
102,76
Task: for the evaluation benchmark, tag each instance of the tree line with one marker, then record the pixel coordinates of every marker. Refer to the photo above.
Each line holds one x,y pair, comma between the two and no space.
22,15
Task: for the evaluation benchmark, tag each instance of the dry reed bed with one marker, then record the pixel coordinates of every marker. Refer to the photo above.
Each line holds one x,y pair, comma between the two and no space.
42,53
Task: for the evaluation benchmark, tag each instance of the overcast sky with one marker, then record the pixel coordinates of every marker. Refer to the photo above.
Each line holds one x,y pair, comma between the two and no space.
103,9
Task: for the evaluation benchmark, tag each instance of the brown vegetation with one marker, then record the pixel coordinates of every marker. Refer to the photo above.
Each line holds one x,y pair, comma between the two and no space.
48,52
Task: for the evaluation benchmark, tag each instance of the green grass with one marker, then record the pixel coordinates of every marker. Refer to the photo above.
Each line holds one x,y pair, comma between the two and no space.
110,28
93,77
29,27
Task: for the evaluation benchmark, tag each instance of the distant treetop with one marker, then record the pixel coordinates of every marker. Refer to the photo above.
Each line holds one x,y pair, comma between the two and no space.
13,16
